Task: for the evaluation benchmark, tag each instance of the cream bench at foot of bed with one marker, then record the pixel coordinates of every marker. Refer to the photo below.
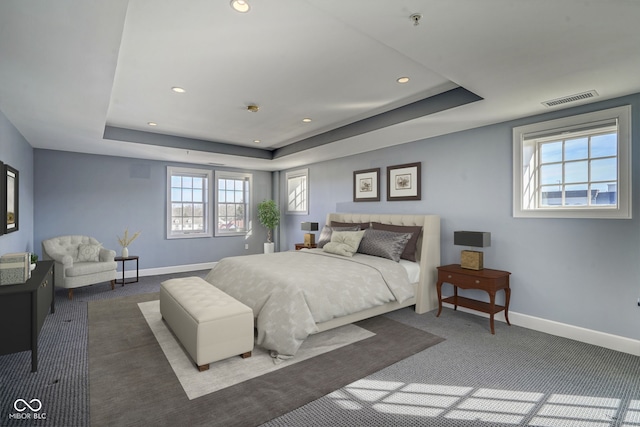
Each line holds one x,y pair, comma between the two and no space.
210,324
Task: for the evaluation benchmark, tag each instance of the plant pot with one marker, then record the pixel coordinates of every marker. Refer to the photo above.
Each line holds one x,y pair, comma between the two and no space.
32,267
269,248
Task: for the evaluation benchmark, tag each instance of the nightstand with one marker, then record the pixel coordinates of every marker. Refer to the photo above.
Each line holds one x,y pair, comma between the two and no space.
302,246
487,280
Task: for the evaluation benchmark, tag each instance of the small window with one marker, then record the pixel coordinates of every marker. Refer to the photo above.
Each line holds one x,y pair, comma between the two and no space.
576,167
188,211
233,191
298,192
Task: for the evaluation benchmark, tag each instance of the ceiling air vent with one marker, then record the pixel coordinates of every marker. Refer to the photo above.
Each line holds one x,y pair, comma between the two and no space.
570,98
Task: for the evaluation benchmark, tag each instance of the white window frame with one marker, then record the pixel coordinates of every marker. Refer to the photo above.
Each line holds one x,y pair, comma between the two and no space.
291,179
208,215
525,151
248,202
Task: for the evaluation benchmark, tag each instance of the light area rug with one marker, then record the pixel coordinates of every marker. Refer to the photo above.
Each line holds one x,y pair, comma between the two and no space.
234,370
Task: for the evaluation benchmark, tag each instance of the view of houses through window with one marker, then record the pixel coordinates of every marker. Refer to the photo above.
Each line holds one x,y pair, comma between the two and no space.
579,169
190,208
233,191
188,202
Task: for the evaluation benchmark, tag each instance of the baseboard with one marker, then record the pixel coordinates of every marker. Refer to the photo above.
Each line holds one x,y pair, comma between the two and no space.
589,336
165,270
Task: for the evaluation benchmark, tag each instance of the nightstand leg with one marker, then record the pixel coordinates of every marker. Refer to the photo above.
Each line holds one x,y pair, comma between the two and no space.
507,297
439,289
455,294
492,304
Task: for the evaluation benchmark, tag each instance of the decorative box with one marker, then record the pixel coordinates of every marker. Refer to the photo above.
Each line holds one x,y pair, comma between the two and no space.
15,268
471,260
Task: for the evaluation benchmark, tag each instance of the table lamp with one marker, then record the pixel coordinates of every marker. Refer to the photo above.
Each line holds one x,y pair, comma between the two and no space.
309,238
472,260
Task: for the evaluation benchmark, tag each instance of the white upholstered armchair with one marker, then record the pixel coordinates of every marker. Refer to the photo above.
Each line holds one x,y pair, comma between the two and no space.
79,261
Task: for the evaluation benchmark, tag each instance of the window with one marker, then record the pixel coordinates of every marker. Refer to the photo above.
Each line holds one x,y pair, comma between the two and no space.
576,167
188,211
297,192
232,206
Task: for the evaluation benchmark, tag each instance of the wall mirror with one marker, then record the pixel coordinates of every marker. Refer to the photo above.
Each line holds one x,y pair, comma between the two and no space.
2,199
10,198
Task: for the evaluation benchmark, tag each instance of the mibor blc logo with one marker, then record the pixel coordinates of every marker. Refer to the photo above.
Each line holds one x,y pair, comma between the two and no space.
28,410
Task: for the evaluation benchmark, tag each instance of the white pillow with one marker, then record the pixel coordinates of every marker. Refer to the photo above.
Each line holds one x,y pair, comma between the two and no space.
344,243
89,253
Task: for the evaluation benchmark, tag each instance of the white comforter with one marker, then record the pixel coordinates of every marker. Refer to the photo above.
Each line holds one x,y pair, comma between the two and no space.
289,292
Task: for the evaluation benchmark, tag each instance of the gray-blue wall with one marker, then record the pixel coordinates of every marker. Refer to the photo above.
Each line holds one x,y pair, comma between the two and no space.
579,272
583,272
100,196
16,151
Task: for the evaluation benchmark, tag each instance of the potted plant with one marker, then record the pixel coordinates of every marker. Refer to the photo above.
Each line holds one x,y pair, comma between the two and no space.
34,259
269,217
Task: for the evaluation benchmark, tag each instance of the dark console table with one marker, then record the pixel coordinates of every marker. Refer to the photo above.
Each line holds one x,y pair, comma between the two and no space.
23,308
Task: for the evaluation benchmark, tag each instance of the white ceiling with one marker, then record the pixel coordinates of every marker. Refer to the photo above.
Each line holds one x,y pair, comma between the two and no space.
69,69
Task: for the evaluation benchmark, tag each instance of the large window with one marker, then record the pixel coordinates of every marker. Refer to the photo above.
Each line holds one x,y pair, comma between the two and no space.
297,192
576,167
233,191
188,211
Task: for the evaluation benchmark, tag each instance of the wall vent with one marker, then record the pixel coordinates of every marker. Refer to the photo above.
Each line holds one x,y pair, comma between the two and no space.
570,98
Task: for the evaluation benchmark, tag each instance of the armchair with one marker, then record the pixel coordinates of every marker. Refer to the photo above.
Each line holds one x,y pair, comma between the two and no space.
79,261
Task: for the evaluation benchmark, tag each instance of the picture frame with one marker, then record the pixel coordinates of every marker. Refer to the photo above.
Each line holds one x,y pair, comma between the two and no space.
10,205
366,185
404,182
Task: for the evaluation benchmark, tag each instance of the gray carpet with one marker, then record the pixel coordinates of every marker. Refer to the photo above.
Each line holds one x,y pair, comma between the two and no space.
570,384
518,377
62,380
132,383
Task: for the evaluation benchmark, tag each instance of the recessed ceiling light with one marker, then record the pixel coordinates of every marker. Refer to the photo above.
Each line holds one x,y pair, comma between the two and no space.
152,123
177,89
241,6
257,141
306,120
403,79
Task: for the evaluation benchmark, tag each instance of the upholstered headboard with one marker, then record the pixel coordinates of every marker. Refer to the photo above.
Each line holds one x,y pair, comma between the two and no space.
428,249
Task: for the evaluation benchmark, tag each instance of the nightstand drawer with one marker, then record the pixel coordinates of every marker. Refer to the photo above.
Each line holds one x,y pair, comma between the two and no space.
463,281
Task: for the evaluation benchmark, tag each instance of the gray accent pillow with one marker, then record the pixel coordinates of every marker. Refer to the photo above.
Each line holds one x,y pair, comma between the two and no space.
409,252
89,253
325,235
344,243
362,225
383,243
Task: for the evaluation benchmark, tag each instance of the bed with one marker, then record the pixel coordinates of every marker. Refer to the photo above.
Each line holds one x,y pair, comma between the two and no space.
297,293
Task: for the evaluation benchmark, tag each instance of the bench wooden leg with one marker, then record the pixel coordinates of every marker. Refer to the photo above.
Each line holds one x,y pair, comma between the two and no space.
245,355
113,284
70,293
203,368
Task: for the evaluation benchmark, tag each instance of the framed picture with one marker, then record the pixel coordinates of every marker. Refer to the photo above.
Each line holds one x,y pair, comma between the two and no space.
366,185
10,199
403,182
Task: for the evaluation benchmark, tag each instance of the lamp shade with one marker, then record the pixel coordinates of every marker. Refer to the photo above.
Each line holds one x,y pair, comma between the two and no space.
309,226
478,239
